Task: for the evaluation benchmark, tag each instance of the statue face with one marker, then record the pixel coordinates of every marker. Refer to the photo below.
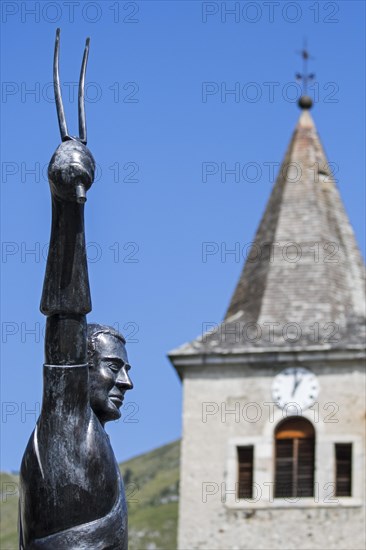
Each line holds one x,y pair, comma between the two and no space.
108,377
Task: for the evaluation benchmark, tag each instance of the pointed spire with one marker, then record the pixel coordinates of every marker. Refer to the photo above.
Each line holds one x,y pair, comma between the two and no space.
304,268
310,269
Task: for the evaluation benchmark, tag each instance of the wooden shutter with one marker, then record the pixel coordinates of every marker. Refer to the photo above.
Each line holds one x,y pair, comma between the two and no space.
343,455
305,467
245,471
284,468
294,462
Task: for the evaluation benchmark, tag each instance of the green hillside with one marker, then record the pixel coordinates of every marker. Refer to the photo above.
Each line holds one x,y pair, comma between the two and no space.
151,483
8,511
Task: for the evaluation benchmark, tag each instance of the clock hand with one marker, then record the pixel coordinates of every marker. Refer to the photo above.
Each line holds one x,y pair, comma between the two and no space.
296,383
294,387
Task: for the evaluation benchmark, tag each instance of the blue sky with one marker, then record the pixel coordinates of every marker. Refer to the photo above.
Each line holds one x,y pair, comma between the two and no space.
158,107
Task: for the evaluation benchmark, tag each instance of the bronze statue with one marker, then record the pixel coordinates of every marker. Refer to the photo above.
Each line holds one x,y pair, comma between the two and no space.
71,491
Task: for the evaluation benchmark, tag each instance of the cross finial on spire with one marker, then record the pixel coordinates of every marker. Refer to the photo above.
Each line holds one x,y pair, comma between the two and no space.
305,102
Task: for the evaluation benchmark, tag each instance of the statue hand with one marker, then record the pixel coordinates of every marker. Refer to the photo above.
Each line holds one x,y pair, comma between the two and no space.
71,171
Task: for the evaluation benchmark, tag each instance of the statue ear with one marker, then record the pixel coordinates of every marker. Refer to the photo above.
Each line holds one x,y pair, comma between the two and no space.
91,359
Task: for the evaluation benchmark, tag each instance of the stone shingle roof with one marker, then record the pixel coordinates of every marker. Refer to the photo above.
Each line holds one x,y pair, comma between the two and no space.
302,285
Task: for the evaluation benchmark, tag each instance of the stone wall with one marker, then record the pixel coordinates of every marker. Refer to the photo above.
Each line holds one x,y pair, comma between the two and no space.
226,406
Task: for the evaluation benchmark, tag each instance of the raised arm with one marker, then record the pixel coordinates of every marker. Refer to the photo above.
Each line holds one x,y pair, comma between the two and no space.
66,295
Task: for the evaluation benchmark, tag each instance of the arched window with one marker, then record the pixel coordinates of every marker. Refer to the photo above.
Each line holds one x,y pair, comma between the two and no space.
294,462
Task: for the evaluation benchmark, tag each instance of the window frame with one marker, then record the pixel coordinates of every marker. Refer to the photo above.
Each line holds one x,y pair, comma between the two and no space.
294,430
339,478
251,473
263,471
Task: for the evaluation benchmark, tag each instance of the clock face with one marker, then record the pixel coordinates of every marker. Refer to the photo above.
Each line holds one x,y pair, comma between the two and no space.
297,386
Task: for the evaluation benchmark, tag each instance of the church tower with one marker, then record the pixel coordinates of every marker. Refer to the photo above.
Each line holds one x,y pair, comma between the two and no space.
273,447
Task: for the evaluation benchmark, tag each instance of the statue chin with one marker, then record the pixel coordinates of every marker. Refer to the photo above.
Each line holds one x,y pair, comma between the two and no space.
112,414
107,414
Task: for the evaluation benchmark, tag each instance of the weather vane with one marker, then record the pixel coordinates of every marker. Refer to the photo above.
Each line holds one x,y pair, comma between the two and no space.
305,102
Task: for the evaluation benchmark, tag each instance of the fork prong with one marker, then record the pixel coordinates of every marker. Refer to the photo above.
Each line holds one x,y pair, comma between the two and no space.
57,88
81,102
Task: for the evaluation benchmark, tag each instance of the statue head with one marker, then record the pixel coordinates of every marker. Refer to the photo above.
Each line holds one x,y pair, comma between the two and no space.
108,371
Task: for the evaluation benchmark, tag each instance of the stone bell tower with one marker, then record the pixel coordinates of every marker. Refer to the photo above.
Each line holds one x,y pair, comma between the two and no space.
273,449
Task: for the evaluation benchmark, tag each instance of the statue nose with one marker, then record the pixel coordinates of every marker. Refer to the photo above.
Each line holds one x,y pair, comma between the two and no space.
124,381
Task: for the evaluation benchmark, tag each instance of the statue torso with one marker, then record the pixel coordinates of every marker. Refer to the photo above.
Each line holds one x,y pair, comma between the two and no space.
70,460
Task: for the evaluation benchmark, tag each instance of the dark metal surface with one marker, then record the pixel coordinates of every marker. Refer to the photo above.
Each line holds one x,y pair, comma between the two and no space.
71,491
305,102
